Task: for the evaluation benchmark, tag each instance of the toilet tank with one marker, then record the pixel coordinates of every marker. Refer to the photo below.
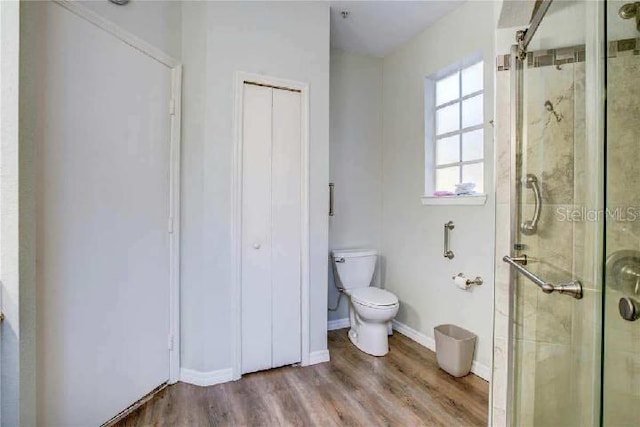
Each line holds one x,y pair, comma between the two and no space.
354,267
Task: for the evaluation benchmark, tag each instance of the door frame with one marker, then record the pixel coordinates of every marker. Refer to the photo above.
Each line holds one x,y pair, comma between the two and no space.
236,212
173,222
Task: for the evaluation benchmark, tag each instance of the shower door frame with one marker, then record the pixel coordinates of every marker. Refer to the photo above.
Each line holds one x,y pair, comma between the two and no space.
516,82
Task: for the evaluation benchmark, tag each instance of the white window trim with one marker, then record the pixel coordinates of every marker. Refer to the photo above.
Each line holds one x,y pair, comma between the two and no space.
430,138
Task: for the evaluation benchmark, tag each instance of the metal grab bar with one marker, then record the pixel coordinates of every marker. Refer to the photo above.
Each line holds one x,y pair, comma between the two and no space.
572,287
448,253
331,187
530,227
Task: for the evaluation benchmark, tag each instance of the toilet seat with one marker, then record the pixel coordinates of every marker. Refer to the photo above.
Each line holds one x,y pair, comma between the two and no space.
373,297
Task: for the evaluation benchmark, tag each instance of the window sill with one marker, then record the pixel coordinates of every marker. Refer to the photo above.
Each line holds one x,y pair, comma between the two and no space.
474,199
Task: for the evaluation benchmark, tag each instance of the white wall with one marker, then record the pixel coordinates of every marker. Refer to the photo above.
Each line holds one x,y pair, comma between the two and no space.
157,22
287,40
27,219
356,157
415,269
17,256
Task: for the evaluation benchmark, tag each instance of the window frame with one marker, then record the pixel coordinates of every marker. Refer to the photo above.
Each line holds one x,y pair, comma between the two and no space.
431,137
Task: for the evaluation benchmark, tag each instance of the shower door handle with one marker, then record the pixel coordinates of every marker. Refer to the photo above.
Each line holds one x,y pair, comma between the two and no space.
572,287
530,227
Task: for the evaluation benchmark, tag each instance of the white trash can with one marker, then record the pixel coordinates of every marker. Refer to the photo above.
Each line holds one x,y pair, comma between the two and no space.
454,349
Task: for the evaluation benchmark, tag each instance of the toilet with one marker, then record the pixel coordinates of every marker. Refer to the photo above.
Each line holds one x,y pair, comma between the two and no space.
370,308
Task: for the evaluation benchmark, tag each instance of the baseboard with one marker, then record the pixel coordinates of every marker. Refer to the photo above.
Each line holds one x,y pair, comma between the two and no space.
479,369
332,325
321,356
220,376
205,379
418,337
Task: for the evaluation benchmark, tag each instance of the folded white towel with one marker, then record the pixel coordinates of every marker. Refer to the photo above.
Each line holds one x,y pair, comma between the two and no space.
466,186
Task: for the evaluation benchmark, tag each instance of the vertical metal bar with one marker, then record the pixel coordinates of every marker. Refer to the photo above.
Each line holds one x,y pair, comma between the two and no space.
331,187
595,99
515,134
448,226
530,227
535,22
460,123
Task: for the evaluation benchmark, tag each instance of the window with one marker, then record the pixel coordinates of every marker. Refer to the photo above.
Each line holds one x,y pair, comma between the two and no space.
455,127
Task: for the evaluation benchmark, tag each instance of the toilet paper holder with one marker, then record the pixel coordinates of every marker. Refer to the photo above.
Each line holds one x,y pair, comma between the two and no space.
477,281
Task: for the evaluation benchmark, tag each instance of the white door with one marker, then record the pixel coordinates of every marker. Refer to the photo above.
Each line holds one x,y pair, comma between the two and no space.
102,212
271,228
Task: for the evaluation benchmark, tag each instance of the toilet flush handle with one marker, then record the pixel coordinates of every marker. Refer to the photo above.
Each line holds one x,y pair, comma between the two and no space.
340,260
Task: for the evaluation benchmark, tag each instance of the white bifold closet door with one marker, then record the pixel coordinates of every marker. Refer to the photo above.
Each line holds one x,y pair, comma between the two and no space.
271,228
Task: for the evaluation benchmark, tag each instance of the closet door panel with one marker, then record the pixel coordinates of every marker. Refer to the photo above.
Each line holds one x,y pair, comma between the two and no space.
256,229
286,227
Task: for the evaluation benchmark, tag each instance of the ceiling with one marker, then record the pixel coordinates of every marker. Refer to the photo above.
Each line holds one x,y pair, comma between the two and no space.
378,27
516,13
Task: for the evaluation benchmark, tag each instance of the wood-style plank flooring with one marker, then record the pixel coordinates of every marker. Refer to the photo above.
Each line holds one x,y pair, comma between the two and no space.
404,388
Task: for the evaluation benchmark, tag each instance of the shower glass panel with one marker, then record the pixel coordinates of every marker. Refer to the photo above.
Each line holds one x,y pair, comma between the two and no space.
555,337
621,352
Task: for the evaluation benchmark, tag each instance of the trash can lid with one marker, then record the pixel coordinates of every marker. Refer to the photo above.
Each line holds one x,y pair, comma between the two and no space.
455,332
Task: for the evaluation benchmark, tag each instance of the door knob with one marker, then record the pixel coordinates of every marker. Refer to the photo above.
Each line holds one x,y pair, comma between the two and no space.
629,309
256,246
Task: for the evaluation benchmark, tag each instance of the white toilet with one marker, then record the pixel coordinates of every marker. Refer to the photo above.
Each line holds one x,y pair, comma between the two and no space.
370,308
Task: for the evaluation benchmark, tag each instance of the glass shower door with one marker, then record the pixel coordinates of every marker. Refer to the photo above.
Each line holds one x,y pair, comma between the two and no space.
550,330
576,361
556,302
621,352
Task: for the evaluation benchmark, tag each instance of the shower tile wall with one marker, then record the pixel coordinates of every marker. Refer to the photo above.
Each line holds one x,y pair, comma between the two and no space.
499,381
543,322
622,338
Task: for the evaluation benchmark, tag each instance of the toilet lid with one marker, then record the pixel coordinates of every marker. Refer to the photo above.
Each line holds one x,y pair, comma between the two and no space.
373,297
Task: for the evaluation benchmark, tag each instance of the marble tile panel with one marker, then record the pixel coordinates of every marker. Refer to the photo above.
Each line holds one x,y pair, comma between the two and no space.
552,386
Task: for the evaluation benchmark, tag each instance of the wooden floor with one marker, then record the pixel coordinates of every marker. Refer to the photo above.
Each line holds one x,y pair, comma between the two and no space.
404,388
